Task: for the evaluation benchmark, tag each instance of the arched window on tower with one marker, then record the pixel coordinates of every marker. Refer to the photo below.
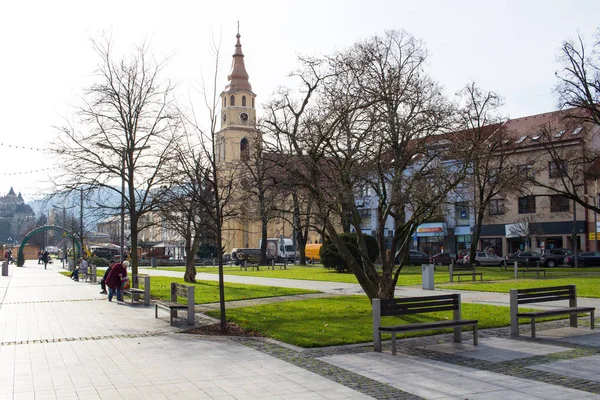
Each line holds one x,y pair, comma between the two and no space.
243,101
224,101
253,102
232,101
244,150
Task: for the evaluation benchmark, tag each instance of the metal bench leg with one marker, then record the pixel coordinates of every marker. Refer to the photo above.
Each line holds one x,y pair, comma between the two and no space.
532,327
155,311
592,320
393,343
475,335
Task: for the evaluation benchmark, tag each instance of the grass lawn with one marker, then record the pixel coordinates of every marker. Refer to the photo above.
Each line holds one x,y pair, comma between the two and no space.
342,320
587,286
208,291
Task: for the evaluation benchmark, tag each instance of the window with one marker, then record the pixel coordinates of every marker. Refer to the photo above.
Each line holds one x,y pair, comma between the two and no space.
365,218
253,102
557,168
244,149
462,210
527,205
496,207
525,171
243,101
559,203
232,100
224,101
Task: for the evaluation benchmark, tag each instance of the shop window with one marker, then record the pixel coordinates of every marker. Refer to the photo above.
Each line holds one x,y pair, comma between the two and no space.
496,207
527,205
559,203
492,245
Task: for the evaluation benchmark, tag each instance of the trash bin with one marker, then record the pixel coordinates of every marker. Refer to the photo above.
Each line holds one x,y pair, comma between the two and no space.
4,268
153,262
428,273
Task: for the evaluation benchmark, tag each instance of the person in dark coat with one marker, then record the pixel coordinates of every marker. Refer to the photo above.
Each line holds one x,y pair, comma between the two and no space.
45,258
103,280
114,278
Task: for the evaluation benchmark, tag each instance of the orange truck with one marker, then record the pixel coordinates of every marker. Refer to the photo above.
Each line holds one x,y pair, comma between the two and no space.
313,252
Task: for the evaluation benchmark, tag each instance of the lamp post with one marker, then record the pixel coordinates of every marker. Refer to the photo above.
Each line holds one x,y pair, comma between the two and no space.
64,223
595,221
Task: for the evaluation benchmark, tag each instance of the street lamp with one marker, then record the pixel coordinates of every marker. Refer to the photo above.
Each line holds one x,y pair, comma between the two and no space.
595,221
64,223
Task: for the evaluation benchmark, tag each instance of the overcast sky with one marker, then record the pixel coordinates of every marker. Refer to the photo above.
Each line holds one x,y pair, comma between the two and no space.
506,46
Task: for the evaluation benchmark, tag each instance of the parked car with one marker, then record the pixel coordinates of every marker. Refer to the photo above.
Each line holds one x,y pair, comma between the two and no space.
483,258
588,259
417,258
524,258
443,259
552,257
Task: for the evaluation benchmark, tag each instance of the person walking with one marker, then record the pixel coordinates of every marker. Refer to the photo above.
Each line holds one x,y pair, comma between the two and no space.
103,280
117,273
40,254
45,258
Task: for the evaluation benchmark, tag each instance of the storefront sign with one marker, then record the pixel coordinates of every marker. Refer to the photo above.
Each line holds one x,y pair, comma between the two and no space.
432,229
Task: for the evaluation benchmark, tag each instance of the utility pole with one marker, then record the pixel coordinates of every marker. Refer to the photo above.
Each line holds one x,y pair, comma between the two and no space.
81,221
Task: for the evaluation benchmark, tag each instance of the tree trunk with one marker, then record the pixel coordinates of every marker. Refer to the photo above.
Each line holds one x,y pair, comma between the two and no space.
190,267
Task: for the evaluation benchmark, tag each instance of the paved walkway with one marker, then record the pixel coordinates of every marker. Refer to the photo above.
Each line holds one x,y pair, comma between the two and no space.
62,340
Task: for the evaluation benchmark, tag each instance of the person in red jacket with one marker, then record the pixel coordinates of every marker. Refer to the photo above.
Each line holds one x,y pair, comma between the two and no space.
114,278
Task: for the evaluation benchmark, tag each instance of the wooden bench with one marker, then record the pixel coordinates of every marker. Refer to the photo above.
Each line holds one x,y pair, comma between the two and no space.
464,270
545,294
178,290
528,270
419,305
135,292
245,265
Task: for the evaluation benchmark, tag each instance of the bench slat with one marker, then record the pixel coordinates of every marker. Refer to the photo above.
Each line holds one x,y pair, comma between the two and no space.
573,310
170,304
545,289
541,299
427,325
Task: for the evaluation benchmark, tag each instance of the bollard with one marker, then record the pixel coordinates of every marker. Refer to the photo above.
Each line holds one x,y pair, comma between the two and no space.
4,268
153,262
428,276
516,270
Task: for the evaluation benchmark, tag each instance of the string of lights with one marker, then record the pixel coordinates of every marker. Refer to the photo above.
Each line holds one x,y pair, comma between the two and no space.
20,147
33,171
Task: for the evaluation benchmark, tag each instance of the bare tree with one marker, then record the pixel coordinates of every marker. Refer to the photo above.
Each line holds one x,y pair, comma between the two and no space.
189,204
579,80
486,150
369,115
128,130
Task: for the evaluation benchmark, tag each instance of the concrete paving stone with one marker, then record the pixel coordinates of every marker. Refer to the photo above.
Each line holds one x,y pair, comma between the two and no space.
24,396
497,349
45,395
583,368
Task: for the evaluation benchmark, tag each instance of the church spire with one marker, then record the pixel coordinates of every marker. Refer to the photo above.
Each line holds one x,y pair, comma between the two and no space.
238,77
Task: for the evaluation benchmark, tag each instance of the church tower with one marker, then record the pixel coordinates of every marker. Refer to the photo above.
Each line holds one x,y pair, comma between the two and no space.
234,144
238,113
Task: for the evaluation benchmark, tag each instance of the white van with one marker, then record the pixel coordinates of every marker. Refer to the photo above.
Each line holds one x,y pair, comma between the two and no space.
284,251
